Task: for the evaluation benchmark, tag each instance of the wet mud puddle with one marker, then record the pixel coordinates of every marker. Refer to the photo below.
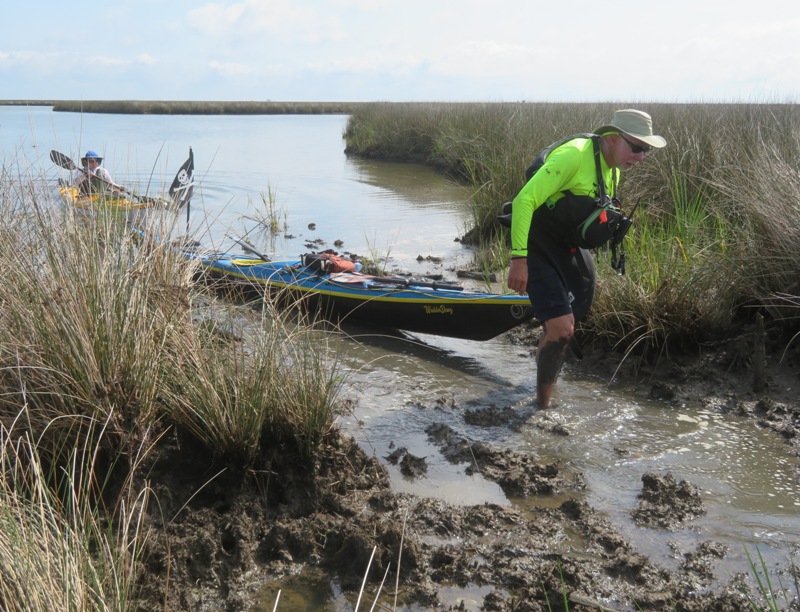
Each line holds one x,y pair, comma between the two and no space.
413,401
744,476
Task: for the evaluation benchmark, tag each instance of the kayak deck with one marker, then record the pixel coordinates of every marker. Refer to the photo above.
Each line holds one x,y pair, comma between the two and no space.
437,308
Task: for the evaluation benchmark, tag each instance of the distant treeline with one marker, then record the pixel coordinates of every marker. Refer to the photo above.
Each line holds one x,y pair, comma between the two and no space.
188,107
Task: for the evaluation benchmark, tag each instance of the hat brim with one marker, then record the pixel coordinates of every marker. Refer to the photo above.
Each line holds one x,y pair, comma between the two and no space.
653,140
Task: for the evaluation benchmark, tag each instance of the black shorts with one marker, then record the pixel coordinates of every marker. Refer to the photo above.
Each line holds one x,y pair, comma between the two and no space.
560,282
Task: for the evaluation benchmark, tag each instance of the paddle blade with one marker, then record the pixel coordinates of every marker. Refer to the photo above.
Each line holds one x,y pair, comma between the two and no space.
183,185
59,159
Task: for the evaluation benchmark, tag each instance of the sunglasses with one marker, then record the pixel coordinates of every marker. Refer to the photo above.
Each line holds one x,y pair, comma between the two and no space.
635,148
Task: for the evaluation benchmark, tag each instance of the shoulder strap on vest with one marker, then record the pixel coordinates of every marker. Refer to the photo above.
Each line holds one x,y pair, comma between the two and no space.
601,184
540,158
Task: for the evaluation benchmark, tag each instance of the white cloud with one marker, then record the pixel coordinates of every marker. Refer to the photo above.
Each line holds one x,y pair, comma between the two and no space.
146,58
216,19
22,59
33,60
231,69
475,58
372,63
251,19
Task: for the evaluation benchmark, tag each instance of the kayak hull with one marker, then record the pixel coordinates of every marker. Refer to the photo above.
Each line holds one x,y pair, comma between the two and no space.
441,309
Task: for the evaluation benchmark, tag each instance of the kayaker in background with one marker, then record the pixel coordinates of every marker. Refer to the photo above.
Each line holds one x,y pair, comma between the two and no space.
550,257
93,177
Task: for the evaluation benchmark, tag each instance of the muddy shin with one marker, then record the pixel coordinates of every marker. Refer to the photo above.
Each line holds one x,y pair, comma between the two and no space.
548,365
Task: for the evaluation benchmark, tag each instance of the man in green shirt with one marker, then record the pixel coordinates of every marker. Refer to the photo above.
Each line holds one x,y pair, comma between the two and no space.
549,260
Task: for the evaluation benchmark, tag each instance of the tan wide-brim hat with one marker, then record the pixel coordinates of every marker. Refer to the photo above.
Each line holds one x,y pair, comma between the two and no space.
634,123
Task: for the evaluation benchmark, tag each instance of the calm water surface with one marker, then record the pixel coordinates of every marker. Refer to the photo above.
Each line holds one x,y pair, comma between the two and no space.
370,207
747,475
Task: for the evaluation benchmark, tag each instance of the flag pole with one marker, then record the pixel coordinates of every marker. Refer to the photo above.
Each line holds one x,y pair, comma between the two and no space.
188,208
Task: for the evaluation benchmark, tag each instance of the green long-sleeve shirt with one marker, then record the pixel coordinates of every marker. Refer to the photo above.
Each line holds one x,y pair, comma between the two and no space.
570,167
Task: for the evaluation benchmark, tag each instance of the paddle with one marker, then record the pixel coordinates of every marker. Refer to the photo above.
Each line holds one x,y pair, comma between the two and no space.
412,282
65,162
395,281
249,249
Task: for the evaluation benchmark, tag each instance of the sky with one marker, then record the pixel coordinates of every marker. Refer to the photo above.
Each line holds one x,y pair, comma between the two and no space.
402,50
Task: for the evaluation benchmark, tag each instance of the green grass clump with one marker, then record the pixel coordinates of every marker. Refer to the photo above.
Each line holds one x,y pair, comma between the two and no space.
245,386
57,550
106,346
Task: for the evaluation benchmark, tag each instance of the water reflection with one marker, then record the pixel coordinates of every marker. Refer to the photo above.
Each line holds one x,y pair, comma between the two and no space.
420,186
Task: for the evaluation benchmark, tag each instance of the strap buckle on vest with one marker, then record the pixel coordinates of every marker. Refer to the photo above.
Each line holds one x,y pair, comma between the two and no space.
618,240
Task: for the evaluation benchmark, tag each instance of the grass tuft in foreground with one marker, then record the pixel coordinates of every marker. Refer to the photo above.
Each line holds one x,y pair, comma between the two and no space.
106,345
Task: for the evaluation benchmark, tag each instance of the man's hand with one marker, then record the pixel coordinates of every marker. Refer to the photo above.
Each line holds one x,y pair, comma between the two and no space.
518,275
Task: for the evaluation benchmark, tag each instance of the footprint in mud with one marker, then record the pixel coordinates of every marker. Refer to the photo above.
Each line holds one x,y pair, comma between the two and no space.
518,474
495,416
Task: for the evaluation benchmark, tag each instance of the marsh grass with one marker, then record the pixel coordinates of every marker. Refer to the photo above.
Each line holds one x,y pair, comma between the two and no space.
102,324
493,256
681,268
716,232
774,595
376,262
90,326
248,383
269,219
201,107
57,550
106,344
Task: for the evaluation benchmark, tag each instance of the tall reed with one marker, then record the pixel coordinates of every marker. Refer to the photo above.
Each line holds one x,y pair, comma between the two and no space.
245,386
87,324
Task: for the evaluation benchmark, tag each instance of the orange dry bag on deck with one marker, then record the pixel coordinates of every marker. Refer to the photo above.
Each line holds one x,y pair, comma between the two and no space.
327,263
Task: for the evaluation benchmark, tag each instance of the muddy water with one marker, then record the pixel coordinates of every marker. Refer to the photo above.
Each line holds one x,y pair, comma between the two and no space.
746,475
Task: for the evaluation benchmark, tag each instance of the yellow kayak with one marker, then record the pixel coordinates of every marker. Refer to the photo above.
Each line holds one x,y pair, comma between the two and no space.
113,201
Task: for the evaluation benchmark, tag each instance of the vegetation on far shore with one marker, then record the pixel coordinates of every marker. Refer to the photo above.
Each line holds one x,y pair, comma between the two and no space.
192,107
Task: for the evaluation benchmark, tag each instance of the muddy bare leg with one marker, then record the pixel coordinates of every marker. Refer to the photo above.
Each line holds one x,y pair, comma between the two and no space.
549,360
550,356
